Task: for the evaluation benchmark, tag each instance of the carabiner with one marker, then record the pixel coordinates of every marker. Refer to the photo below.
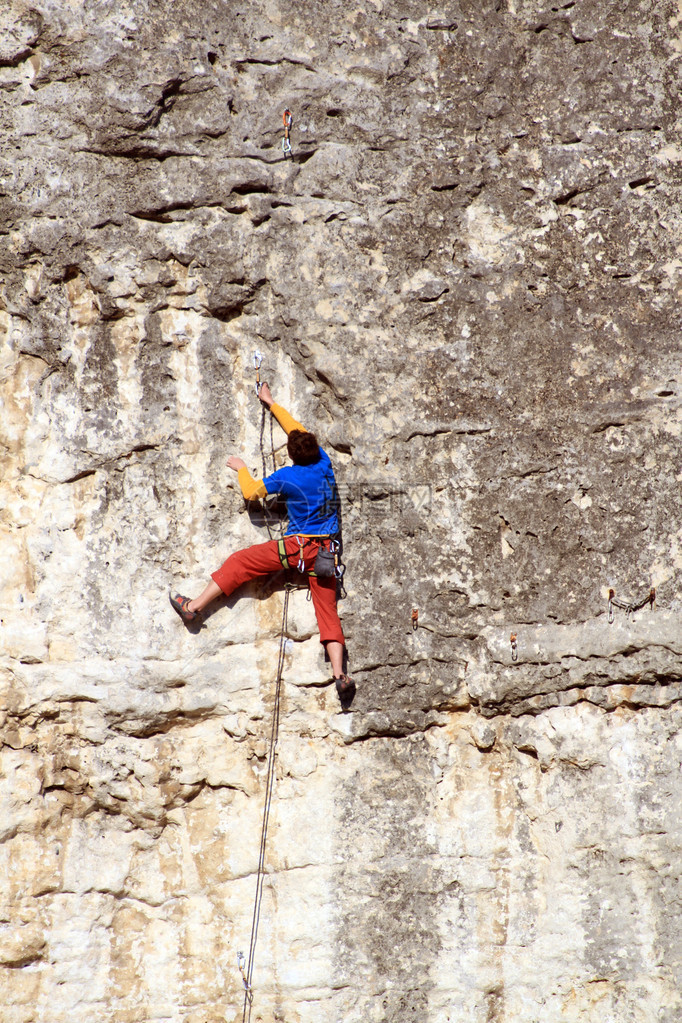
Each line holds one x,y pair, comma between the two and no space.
339,569
241,963
301,562
257,362
288,120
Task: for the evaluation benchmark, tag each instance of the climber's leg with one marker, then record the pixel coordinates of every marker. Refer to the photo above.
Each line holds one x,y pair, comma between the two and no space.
210,593
335,653
323,593
240,567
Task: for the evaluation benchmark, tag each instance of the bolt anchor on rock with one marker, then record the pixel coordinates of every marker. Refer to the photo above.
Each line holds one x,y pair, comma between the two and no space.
628,606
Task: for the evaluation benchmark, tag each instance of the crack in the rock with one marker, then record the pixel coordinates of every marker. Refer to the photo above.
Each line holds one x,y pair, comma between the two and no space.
608,424
104,464
83,474
389,664
644,180
444,428
160,214
531,472
273,62
565,197
162,723
252,188
520,707
625,652
19,58
140,153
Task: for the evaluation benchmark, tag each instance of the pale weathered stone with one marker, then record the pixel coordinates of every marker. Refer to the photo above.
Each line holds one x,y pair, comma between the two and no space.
467,280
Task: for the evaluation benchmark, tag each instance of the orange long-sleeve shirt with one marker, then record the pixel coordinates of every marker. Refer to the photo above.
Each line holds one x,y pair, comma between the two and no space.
253,488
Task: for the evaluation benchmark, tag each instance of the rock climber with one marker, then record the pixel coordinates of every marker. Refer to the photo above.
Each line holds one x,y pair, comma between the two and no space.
309,490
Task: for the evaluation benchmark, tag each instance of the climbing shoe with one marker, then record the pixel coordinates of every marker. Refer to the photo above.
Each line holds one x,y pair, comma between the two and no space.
180,603
345,687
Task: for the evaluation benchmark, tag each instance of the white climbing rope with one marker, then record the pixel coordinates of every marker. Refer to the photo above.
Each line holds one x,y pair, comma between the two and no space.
247,970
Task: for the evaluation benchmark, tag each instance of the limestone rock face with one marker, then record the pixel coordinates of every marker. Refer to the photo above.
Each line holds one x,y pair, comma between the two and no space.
466,278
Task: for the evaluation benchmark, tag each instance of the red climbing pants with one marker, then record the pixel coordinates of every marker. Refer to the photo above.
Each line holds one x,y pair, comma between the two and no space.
263,558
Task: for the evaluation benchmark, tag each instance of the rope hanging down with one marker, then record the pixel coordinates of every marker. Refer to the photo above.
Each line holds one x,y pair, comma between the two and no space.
247,974
246,966
271,518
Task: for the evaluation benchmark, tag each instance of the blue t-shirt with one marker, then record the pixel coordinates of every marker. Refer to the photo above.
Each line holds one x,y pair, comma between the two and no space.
311,496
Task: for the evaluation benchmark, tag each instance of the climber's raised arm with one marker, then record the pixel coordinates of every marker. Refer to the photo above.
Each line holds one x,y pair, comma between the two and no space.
251,488
285,420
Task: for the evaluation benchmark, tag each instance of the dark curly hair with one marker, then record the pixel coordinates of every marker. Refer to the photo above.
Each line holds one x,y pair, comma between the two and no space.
303,447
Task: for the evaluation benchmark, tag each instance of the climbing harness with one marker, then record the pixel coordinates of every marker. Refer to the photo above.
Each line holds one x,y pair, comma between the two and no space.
247,972
288,120
629,607
415,619
514,647
327,560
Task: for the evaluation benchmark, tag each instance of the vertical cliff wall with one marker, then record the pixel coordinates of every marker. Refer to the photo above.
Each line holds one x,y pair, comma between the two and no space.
467,280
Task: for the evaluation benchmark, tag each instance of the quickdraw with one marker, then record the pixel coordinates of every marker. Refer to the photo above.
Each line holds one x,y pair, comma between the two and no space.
284,557
339,569
629,607
258,362
514,647
301,561
288,120
415,619
241,963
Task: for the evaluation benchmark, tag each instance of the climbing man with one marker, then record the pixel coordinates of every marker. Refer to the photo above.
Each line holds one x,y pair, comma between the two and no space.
309,490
